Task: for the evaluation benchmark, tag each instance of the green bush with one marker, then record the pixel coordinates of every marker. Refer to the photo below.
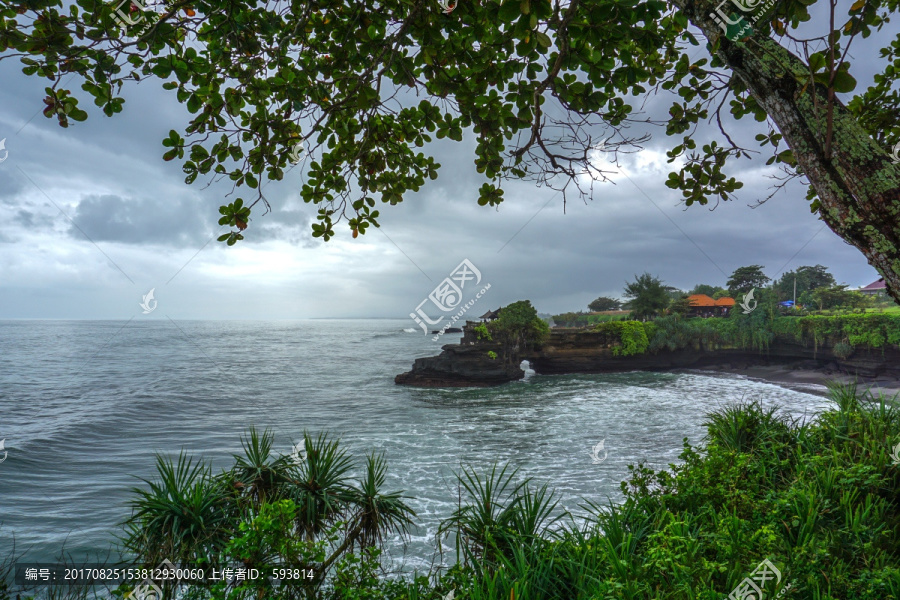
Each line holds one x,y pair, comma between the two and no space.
572,319
820,500
517,328
842,350
630,335
482,332
758,330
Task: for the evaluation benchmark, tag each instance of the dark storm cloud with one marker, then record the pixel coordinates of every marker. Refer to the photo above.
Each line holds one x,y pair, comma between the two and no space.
138,221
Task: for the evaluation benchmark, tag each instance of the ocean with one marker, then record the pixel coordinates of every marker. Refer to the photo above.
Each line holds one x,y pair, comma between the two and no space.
86,405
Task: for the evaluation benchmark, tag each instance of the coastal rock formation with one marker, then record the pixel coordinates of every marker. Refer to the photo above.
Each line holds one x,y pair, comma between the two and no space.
584,351
460,365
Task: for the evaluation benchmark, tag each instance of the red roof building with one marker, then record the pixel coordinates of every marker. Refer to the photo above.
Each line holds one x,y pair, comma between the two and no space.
876,287
701,300
704,306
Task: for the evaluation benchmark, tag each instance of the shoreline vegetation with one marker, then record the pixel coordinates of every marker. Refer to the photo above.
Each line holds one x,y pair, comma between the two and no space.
855,346
818,499
837,337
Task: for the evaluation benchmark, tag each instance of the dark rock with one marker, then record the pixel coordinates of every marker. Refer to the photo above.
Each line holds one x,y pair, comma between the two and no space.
460,366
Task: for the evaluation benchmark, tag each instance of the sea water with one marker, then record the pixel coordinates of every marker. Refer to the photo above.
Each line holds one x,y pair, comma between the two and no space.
85,406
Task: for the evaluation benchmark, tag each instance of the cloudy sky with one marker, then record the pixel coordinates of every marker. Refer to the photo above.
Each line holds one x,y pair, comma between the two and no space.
94,219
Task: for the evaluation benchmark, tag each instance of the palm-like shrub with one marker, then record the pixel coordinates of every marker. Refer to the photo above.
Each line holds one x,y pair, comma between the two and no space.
268,511
376,514
746,425
500,515
259,475
321,484
182,516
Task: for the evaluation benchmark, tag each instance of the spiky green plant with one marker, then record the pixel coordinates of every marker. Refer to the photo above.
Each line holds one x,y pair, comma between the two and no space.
267,510
375,513
181,516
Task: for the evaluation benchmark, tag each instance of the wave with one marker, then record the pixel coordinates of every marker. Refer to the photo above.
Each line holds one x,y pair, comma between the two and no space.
387,334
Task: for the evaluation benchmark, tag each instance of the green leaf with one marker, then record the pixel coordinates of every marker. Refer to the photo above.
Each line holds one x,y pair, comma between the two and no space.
817,62
844,82
543,39
510,11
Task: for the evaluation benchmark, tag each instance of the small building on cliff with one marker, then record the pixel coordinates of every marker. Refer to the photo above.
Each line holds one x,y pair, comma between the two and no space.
704,306
490,315
724,305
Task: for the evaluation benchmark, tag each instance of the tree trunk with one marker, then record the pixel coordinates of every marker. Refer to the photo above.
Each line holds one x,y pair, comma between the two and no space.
859,186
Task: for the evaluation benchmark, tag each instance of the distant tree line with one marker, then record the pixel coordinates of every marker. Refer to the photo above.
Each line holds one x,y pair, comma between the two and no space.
648,296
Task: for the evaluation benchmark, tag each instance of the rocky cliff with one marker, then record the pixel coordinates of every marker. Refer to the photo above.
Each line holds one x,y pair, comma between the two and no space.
583,351
460,365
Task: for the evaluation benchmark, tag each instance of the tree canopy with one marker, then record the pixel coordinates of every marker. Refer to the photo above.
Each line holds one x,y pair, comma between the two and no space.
708,290
517,327
807,278
746,278
362,88
605,303
835,296
648,296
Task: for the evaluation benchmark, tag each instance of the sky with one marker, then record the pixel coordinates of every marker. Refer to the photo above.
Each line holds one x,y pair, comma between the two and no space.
95,219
